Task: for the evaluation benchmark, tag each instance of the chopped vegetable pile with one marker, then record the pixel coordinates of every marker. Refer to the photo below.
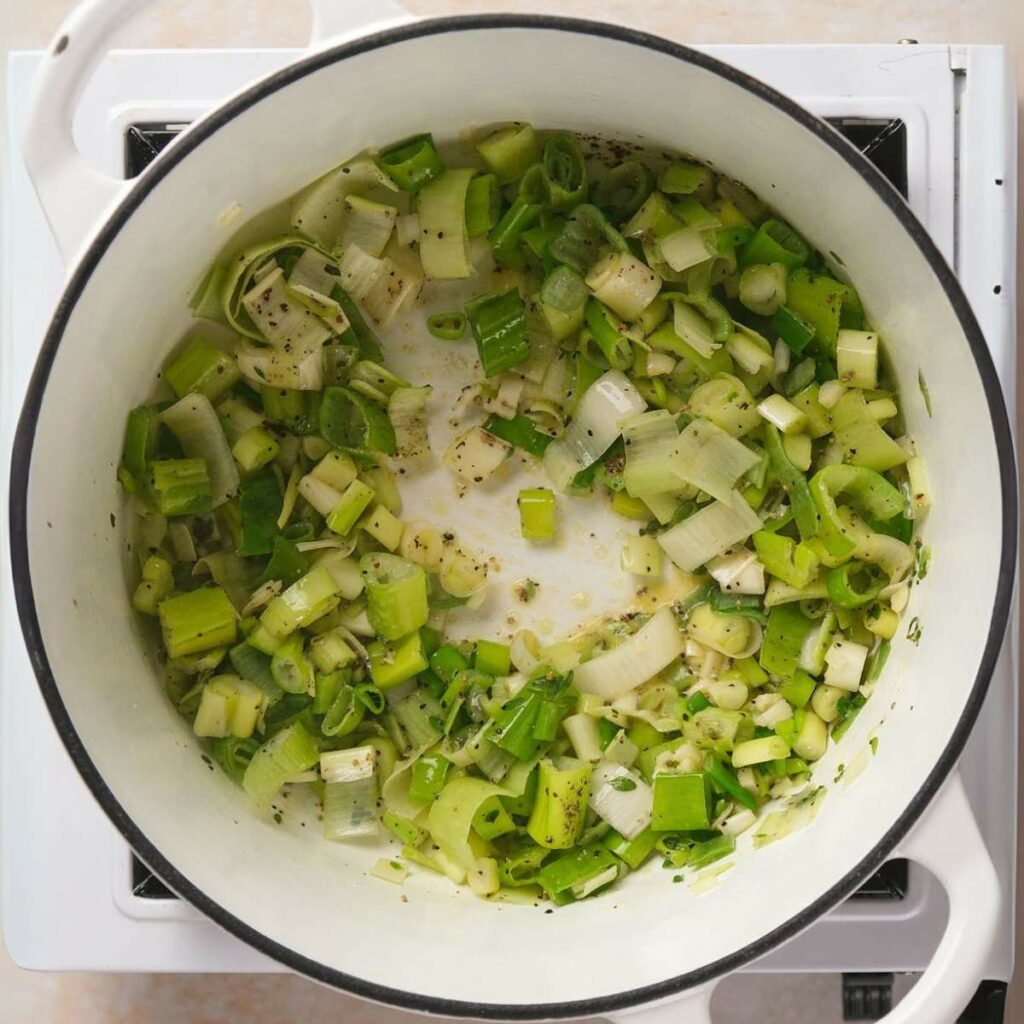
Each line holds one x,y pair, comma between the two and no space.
660,341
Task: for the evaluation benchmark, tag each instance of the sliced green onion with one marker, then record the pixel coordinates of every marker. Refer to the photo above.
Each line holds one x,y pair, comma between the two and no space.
510,151
857,358
391,664
682,802
412,163
586,235
396,594
710,459
783,640
201,368
624,189
563,789
442,212
498,323
762,287
199,620
684,177
285,755
483,204
448,326
775,242
194,423
709,532
537,513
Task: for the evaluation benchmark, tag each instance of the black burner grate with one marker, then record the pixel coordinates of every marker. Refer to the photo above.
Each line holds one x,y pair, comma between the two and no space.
883,140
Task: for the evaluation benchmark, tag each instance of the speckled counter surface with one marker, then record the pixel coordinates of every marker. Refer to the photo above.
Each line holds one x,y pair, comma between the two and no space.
219,999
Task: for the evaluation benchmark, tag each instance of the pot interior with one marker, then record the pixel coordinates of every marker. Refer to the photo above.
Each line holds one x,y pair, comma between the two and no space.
314,900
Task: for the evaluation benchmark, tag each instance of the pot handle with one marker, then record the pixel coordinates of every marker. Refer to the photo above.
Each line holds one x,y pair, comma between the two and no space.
945,840
75,195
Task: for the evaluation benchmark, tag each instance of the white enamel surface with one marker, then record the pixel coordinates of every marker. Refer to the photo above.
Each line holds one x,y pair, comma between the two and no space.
306,894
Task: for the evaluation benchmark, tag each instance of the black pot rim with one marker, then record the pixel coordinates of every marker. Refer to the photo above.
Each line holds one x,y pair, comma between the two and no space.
21,464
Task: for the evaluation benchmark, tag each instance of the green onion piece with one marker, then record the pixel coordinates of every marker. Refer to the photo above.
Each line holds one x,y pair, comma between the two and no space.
559,811
798,689
405,831
682,802
876,662
565,169
799,377
350,420
448,326
492,820
568,875
632,852
506,234
358,334
428,777
519,431
326,688
291,408
498,323
780,651
355,500
537,513
796,332
793,482
394,663
420,717
260,503
491,658
854,585
203,368
586,236
346,713
483,205
287,563
199,620
446,661
818,300
290,667
234,754
254,666
624,190
869,492
795,564
775,242
255,448
282,757
697,702
180,486
564,290
745,605
508,152
442,213
609,333
412,163
156,584
140,440
863,440
710,851
683,177
396,594
722,777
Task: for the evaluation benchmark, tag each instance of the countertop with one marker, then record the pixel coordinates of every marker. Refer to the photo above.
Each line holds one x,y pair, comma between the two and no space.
218,999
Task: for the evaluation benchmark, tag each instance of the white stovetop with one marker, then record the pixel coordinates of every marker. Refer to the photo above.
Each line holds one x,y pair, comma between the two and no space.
192,938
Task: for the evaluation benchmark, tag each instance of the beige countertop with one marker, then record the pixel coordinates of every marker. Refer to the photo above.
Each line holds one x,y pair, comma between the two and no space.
218,999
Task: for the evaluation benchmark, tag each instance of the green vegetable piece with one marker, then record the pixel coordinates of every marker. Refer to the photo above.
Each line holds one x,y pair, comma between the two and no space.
817,300
483,204
632,852
683,177
706,853
201,368
199,620
405,831
586,235
682,803
559,811
498,323
260,502
798,689
519,431
355,500
796,332
396,594
140,440
854,584
428,776
565,171
537,513
394,663
787,628
180,486
492,820
624,190
492,658
448,326
724,780
569,874
412,163
775,242
350,420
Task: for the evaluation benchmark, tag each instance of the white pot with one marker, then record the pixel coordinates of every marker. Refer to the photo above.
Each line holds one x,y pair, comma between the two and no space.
309,903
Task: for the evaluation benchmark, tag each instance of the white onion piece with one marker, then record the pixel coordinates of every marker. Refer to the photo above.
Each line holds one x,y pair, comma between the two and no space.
614,673
628,811
606,403
709,532
844,664
194,423
476,454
